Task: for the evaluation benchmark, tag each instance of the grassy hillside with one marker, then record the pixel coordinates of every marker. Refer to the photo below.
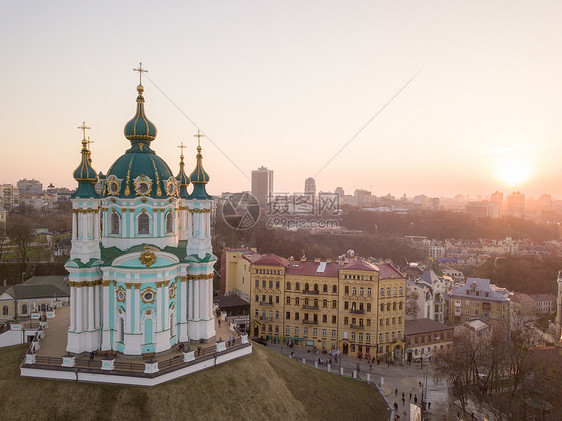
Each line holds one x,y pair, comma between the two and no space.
265,385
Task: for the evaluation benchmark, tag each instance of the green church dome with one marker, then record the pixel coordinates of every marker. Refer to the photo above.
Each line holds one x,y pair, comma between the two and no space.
199,178
140,129
140,172
85,174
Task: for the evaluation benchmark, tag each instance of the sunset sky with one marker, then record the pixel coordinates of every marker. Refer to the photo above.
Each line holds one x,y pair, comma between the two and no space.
286,85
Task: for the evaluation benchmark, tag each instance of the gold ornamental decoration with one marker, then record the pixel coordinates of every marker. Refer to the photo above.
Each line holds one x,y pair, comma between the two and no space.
147,257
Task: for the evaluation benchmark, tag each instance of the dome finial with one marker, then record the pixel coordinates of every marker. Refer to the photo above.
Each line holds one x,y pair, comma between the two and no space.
183,179
141,71
199,177
84,173
140,130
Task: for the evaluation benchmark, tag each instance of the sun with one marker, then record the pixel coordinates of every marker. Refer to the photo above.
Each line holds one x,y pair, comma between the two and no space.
513,171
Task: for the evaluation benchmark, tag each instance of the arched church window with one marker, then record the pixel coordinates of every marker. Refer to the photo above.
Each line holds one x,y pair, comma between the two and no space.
24,309
5,311
170,222
115,222
144,224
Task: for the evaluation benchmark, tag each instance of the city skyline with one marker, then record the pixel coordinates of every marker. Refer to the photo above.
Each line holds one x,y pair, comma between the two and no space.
287,86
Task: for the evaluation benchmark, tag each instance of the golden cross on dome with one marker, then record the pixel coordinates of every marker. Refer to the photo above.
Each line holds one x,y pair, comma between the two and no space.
141,71
83,127
182,148
199,135
89,141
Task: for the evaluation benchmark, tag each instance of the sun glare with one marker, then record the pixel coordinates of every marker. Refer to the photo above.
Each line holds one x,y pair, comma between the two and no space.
513,172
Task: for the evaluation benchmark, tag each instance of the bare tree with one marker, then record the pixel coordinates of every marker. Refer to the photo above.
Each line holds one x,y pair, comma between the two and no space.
3,240
19,230
411,304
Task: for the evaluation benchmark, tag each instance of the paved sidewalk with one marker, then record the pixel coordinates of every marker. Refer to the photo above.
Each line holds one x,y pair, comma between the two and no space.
403,378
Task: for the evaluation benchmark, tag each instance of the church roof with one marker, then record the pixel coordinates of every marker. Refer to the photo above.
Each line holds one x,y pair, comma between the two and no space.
84,173
429,276
140,129
271,260
199,178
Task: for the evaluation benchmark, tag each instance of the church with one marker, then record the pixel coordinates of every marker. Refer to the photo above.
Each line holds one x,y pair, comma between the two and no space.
141,262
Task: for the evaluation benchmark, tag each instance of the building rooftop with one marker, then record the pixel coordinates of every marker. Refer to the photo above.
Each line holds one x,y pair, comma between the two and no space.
388,271
271,260
360,265
519,297
478,287
227,301
24,292
309,268
413,327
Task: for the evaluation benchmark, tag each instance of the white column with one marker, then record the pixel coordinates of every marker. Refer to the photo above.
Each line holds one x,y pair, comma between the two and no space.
72,326
158,307
205,299
196,300
74,226
90,308
128,304
106,307
166,298
182,301
189,301
210,298
137,314
97,307
78,308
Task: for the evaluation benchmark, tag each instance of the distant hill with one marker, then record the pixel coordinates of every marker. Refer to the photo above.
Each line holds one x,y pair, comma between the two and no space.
263,386
528,274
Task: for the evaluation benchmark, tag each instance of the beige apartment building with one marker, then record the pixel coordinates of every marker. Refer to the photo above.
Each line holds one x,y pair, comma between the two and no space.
477,298
351,305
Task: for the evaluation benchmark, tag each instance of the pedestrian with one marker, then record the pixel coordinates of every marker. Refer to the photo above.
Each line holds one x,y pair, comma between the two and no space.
416,399
429,405
403,401
370,367
92,356
410,395
358,368
402,395
396,392
395,406
219,322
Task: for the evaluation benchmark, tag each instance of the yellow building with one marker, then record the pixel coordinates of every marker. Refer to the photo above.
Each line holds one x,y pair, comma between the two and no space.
235,271
36,294
355,307
523,305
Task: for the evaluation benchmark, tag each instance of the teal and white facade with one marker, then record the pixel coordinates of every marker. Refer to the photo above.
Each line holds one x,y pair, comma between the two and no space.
141,263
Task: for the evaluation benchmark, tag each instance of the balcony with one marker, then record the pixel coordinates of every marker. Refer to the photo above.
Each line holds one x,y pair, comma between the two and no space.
310,322
266,318
307,307
352,326
266,303
309,292
354,311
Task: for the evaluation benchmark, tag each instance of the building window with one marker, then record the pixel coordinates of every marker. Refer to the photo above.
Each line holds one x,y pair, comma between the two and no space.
333,333
354,290
257,298
346,305
277,299
288,330
288,285
382,292
388,291
288,300
270,284
296,330
400,305
288,315
298,286
257,283
324,318
316,288
333,319
170,222
353,335
314,332
368,306
115,222
345,320
361,291
276,284
256,313
305,331
263,283
368,322
400,290
394,306
297,315
24,309
334,303
382,307
297,301
334,289
144,224
369,291
346,290
367,337
381,322
325,288
324,303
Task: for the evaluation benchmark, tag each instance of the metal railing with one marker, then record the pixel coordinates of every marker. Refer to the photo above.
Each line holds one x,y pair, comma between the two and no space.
355,311
309,307
310,292
310,322
133,367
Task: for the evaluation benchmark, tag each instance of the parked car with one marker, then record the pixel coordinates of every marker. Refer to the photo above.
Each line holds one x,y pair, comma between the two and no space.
261,341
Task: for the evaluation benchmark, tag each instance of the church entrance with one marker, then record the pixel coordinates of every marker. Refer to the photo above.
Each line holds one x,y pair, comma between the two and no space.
345,349
148,346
